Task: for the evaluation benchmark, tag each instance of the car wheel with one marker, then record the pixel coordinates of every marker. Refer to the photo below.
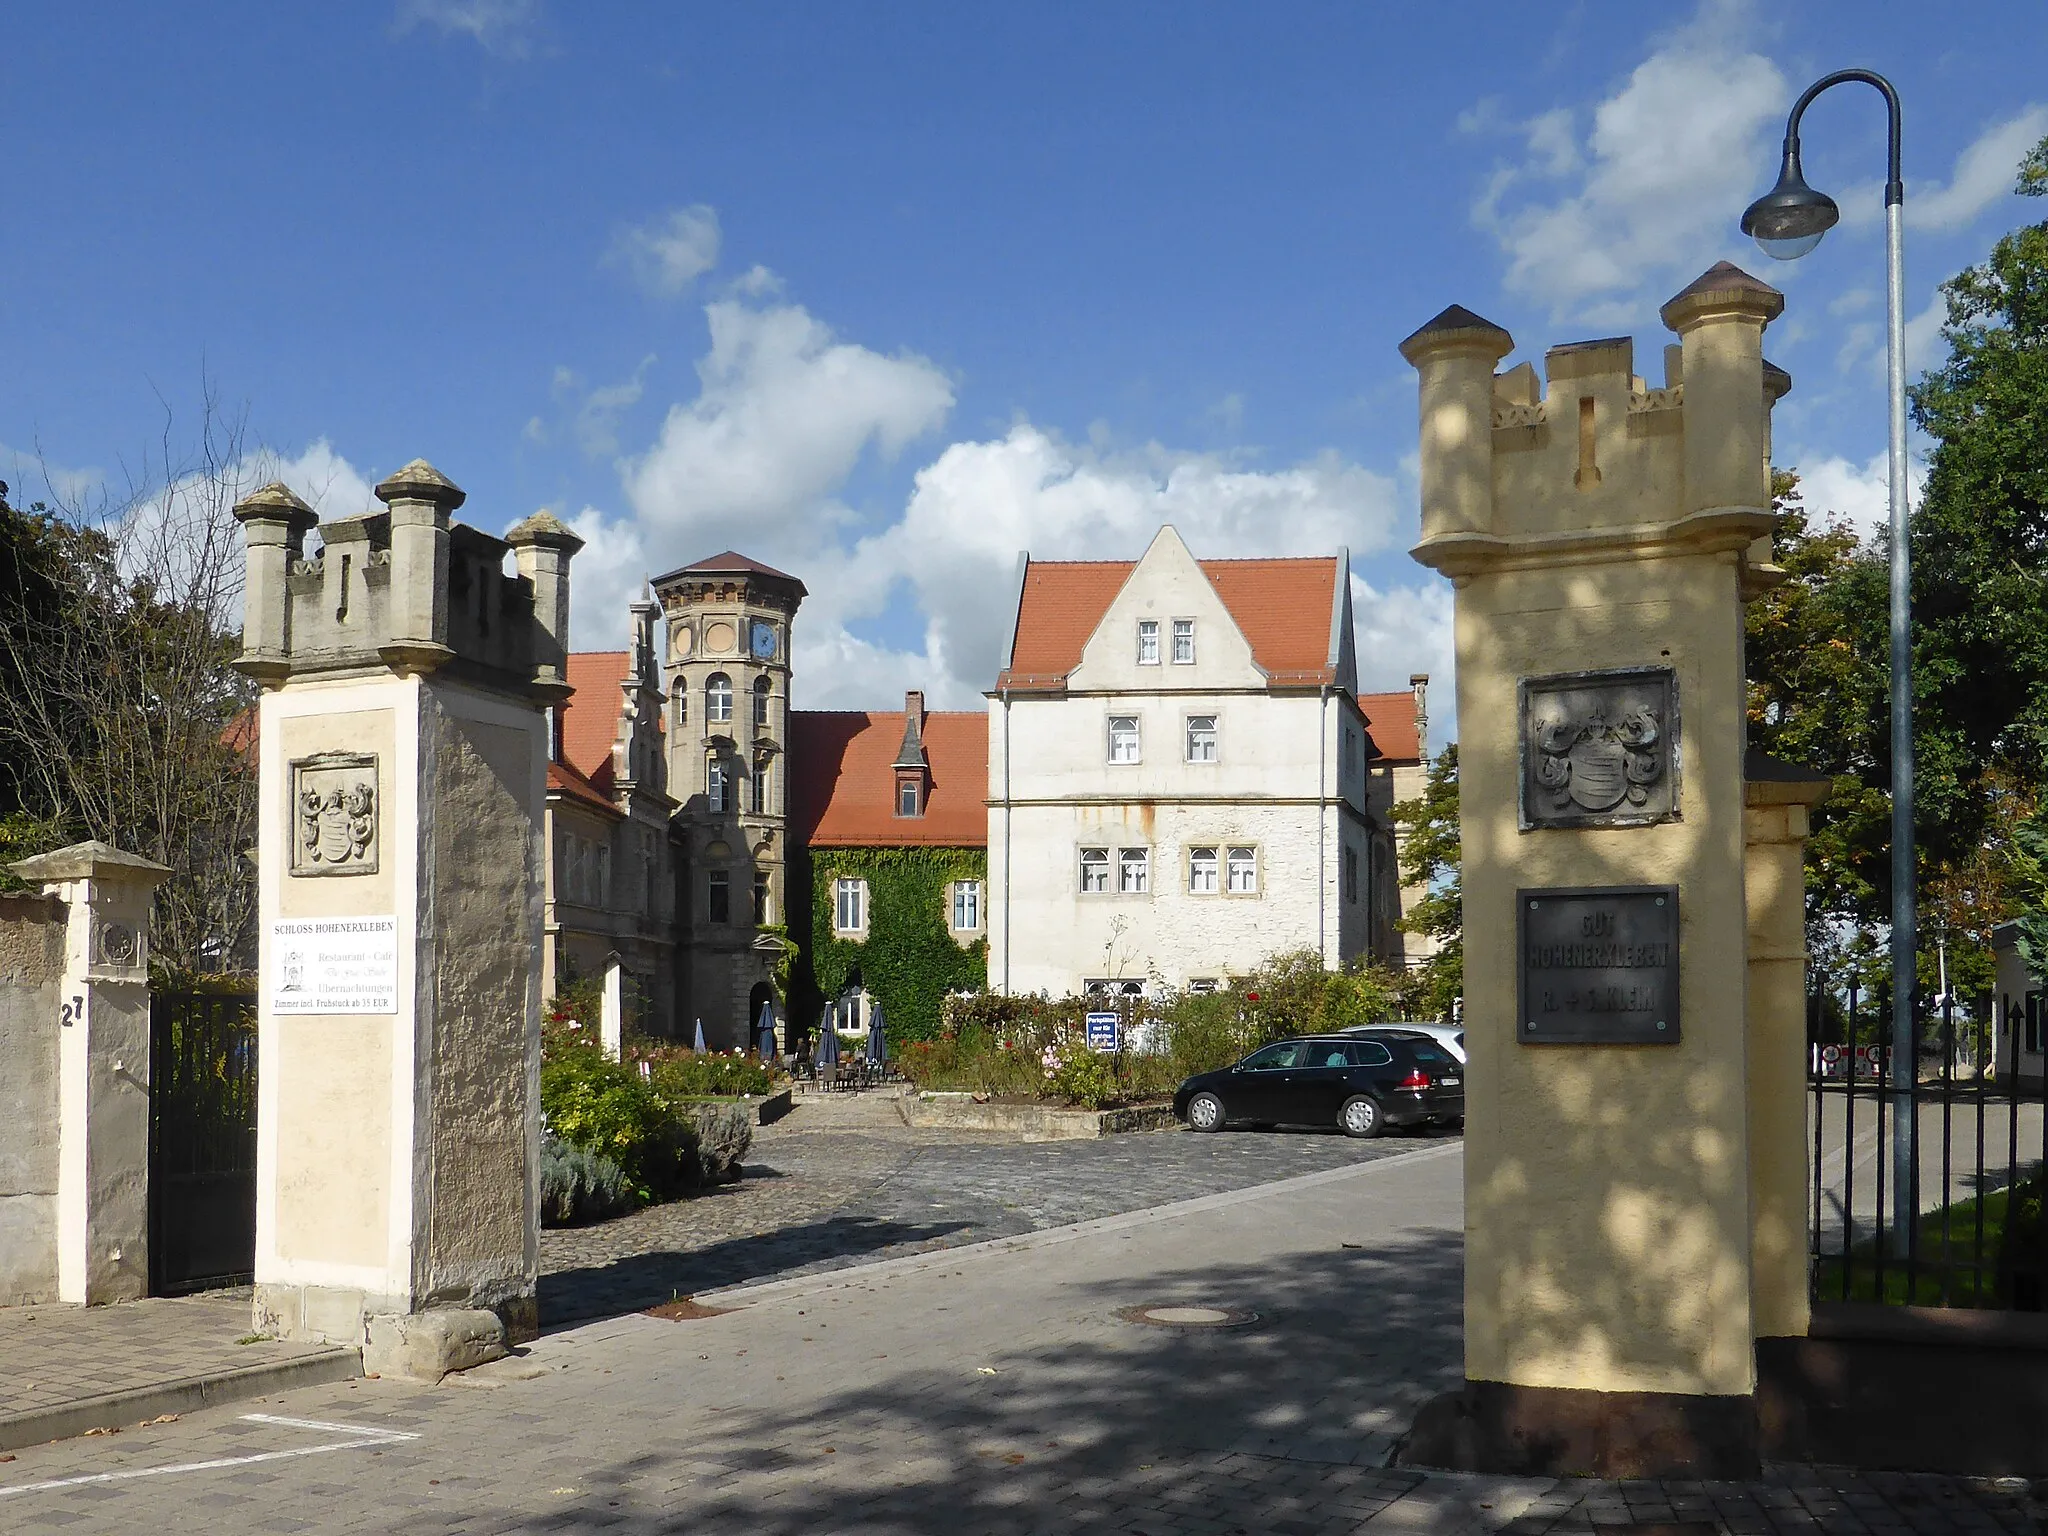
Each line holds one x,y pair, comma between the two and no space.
1205,1112
1361,1117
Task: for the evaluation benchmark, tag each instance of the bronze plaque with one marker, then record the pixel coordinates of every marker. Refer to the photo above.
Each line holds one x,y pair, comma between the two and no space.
1599,965
1600,749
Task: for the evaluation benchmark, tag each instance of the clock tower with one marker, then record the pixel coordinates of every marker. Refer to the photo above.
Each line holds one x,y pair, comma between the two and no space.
727,730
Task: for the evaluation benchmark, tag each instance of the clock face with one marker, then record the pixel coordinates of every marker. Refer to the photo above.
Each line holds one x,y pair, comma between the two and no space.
763,640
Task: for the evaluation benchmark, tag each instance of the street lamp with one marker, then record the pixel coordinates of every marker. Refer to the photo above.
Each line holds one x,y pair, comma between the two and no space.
1787,222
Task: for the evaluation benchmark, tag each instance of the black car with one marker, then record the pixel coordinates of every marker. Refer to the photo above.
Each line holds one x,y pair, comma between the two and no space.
1362,1082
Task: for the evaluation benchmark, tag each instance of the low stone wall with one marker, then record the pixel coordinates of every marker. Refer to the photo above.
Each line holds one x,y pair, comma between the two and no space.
1031,1122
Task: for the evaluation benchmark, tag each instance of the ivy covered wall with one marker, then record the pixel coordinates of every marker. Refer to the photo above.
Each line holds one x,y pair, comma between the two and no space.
909,960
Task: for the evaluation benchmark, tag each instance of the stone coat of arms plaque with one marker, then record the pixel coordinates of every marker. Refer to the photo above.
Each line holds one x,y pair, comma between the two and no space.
335,814
1600,749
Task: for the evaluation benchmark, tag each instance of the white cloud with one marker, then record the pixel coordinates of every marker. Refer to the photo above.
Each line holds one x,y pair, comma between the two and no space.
1861,493
1653,191
502,27
1984,173
1402,631
607,573
672,252
593,413
785,413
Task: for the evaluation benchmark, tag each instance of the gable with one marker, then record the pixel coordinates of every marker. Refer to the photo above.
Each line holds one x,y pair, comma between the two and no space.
1167,584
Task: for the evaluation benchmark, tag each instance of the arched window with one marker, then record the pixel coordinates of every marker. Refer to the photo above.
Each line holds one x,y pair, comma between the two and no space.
679,698
762,691
718,699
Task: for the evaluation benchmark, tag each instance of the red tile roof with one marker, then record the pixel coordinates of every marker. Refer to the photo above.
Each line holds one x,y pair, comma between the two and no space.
1390,721
590,721
564,780
1283,607
843,784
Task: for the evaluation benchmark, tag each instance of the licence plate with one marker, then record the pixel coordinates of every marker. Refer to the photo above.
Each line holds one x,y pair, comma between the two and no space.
1449,1082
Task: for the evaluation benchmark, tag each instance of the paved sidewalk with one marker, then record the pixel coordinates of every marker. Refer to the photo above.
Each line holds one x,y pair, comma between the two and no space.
64,1370
992,1388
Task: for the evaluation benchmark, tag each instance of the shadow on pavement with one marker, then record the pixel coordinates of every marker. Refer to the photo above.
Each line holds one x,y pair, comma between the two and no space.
1349,1344
646,1279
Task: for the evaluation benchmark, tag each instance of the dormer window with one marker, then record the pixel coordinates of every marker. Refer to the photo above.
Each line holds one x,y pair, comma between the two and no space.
1148,642
909,795
1183,642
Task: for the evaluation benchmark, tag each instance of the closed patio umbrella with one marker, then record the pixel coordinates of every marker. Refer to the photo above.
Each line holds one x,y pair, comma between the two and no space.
878,1042
699,1046
764,1028
828,1043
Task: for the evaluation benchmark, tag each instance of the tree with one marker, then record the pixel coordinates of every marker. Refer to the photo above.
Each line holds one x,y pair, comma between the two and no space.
125,720
1431,857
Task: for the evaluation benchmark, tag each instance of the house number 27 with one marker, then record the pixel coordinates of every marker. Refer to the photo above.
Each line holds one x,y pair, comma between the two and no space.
73,1011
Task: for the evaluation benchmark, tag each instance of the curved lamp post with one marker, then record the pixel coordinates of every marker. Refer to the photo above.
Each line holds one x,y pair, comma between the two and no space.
1787,222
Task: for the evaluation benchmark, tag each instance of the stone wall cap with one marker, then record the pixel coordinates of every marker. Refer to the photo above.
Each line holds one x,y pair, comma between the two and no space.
1776,380
1722,286
1456,324
544,529
91,860
275,503
420,481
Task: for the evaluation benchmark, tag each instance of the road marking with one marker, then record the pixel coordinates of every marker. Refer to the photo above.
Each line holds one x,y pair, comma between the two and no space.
360,1436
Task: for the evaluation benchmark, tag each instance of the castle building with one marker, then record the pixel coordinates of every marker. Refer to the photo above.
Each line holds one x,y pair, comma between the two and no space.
1175,779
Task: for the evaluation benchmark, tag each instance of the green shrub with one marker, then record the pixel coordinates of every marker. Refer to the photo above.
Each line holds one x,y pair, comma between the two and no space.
725,1134
1079,1075
606,1107
682,1074
578,1186
976,1060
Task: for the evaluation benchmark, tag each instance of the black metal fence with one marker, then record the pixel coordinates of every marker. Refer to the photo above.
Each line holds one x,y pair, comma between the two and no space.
202,1140
1969,1231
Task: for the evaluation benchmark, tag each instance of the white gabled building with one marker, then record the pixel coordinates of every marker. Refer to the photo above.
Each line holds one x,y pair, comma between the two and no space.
1181,775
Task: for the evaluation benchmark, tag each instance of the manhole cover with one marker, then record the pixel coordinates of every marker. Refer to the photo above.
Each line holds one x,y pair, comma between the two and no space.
1187,1316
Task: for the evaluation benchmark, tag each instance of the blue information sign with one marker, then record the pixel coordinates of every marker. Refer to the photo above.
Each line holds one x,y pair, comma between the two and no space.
1102,1031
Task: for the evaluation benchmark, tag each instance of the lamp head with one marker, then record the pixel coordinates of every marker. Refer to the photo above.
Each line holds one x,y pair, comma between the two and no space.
1789,220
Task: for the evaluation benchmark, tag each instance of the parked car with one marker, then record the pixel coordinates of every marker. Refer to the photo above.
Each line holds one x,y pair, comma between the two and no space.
1450,1036
1361,1081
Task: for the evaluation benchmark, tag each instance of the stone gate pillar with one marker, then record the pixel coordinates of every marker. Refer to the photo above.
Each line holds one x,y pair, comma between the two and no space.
404,753
101,1125
1603,536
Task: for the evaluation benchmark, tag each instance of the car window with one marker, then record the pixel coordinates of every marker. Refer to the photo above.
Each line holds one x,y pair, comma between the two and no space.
1460,1038
1332,1056
1429,1053
1370,1053
1272,1057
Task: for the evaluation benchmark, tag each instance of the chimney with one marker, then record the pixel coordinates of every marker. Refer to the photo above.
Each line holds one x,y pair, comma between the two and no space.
913,705
1418,684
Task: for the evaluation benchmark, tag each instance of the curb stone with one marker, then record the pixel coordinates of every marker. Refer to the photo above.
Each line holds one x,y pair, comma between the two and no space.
118,1410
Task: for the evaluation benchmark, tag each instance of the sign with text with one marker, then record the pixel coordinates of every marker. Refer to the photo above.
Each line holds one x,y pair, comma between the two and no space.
1598,965
1102,1031
334,965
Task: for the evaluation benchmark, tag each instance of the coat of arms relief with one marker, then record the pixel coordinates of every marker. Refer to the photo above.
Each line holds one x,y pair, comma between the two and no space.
334,814
1600,748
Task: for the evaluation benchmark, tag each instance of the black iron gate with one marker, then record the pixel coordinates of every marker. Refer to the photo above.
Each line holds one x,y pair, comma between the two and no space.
1970,1230
202,1141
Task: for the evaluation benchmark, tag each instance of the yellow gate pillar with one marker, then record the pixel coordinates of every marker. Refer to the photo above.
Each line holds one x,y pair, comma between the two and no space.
1603,537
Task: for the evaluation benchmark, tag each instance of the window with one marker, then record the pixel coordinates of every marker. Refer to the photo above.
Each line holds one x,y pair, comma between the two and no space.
681,694
1133,865
1107,988
1201,738
966,905
718,906
1370,1053
763,691
850,908
1148,642
1123,738
1351,874
1183,642
1094,869
1276,1058
718,699
716,783
1202,871
761,915
1201,986
909,796
761,786
1244,871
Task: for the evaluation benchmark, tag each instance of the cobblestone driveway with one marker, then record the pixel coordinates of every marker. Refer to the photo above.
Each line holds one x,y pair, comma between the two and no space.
823,1198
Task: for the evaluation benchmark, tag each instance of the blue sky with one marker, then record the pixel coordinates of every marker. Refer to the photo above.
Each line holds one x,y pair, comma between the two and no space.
882,294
